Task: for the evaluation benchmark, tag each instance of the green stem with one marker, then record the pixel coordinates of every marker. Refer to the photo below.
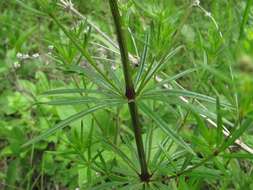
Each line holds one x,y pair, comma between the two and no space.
130,91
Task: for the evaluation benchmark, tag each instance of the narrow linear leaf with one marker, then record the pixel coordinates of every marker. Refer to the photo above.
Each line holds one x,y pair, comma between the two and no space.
237,133
177,76
121,154
30,9
83,51
91,75
237,155
66,122
245,17
219,134
201,124
163,125
143,59
71,91
217,73
83,100
150,73
70,101
185,93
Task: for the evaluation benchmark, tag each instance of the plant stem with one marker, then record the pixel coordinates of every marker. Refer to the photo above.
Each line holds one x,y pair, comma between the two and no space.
130,91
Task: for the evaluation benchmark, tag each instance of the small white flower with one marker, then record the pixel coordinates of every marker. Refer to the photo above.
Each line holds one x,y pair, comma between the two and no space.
36,55
16,65
19,55
196,3
22,56
50,47
113,67
208,14
26,56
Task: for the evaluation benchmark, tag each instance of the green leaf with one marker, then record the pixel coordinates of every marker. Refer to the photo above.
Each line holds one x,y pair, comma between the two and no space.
24,37
71,91
143,59
30,9
66,122
217,73
246,15
201,125
93,76
237,155
164,126
84,52
185,93
206,173
177,76
219,134
152,70
237,133
12,174
120,153
79,101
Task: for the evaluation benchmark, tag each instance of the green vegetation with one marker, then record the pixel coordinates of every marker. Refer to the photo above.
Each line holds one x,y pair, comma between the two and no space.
126,94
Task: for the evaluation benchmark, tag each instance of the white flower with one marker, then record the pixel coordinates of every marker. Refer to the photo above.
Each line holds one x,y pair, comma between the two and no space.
19,55
36,55
50,47
208,14
16,65
22,56
114,67
196,3
25,56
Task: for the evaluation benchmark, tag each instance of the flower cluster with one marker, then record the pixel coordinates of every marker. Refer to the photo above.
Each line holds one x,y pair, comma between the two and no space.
22,57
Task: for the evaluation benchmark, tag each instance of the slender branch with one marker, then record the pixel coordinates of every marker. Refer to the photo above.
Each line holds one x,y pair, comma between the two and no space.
130,91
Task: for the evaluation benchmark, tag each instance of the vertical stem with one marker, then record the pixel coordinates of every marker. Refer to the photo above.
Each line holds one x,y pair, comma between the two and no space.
130,91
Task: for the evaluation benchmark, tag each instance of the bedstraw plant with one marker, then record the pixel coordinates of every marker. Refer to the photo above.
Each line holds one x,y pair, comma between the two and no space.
146,92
